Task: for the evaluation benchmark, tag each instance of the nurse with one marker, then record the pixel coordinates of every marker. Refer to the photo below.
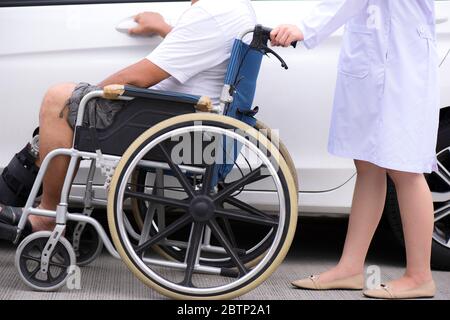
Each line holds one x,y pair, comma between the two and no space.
386,118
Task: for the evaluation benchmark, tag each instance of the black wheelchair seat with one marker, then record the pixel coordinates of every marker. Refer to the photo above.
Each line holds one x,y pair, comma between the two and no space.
137,116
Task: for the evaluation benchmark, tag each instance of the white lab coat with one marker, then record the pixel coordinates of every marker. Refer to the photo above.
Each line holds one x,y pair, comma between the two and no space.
386,106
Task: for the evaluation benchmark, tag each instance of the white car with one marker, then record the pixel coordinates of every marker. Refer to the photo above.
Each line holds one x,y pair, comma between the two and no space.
44,42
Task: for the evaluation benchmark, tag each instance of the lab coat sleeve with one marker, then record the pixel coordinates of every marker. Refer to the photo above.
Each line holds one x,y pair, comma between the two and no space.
327,17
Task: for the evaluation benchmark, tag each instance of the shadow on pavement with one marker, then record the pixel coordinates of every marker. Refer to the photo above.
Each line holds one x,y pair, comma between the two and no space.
320,239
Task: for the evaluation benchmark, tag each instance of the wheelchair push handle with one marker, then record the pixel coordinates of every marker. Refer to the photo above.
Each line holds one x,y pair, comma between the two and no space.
268,31
260,41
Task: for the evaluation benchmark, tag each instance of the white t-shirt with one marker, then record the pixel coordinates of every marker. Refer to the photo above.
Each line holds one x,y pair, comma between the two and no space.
197,51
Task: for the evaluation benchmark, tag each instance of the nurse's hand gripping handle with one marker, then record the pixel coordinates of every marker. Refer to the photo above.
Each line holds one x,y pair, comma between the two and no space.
261,37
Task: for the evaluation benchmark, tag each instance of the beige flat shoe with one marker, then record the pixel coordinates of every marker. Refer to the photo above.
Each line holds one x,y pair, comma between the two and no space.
314,283
427,290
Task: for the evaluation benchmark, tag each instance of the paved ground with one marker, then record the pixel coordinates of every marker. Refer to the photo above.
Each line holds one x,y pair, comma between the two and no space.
317,247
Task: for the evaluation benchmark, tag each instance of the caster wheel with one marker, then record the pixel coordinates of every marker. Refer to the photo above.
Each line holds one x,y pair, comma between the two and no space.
29,257
85,241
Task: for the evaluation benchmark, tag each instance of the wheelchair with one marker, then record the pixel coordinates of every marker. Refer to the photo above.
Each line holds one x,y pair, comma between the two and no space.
180,179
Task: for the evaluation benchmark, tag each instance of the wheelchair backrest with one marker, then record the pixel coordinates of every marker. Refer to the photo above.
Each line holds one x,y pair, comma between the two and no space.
240,88
241,80
240,85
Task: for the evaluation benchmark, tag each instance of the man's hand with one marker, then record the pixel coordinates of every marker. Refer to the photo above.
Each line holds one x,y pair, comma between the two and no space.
285,34
150,23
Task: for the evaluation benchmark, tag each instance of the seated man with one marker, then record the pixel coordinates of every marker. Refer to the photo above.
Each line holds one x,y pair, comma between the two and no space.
192,59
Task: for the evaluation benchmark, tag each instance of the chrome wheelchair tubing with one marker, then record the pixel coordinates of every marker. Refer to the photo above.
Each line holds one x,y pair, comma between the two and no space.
130,230
37,184
83,103
79,218
246,32
205,247
68,181
61,215
181,266
85,100
165,166
98,227
95,201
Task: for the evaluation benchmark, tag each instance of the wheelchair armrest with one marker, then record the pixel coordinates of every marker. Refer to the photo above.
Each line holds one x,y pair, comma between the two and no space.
201,103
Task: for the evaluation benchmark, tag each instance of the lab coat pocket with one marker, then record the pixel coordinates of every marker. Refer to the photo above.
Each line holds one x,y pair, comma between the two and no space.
355,53
429,40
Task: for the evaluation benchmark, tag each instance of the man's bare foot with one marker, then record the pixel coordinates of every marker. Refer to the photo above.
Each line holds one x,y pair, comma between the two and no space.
40,223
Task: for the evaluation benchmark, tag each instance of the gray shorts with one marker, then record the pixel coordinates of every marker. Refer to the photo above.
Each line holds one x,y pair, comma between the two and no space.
99,112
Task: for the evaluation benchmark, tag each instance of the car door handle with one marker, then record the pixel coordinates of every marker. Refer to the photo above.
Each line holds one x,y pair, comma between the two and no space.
126,24
440,20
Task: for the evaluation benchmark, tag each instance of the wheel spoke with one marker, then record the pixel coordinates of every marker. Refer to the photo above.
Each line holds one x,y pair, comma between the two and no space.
207,179
54,253
243,216
441,196
193,252
177,225
230,232
177,172
28,257
246,207
253,176
158,199
441,213
146,229
443,173
50,278
59,265
149,215
34,272
218,233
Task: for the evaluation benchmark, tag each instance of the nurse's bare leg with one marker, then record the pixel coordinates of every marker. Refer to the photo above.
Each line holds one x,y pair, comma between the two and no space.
367,208
416,207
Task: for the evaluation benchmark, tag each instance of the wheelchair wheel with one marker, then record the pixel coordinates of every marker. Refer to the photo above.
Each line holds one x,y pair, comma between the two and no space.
28,262
140,207
85,241
200,209
177,253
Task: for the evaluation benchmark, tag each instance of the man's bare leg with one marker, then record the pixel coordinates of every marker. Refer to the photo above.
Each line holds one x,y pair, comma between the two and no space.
54,133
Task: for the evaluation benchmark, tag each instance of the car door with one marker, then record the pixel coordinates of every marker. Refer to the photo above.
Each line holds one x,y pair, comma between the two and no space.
47,42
